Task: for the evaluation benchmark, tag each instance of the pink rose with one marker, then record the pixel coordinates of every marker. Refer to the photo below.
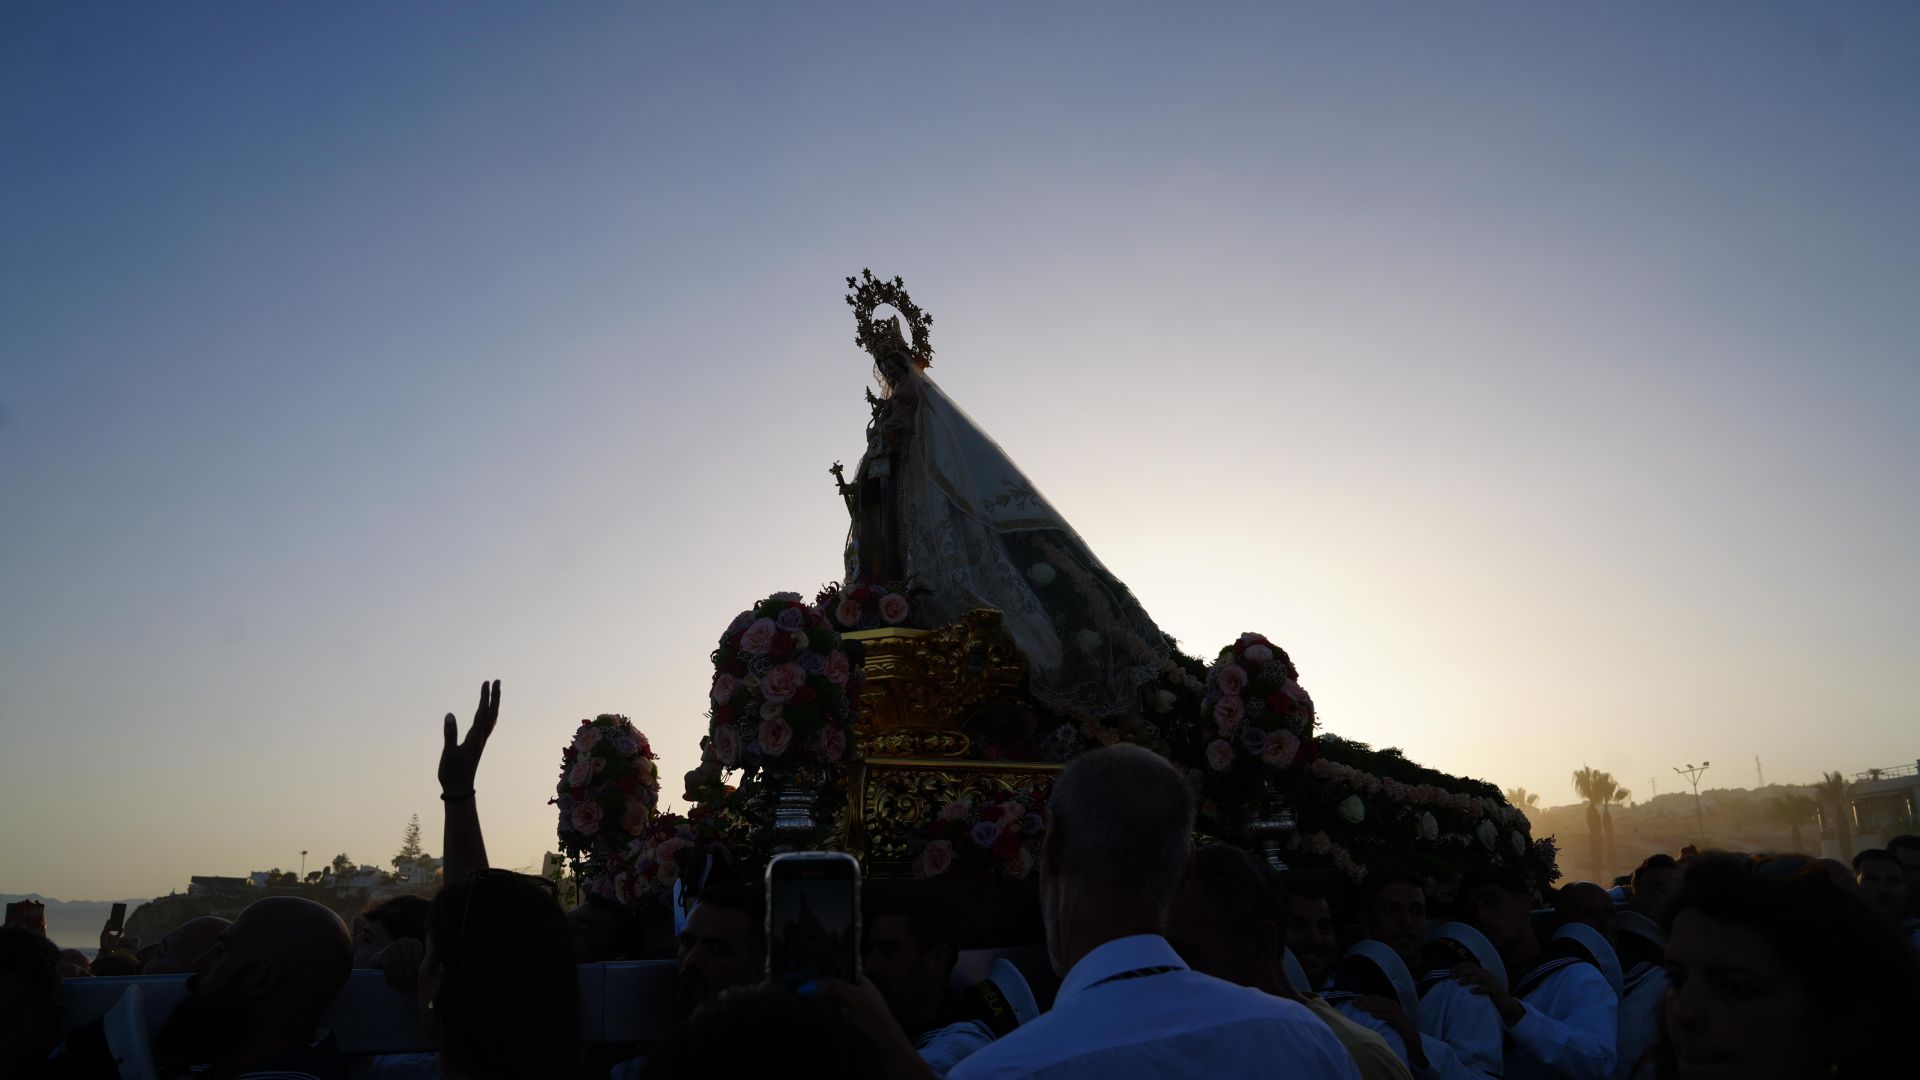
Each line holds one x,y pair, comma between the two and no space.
755,639
937,859
894,607
1219,755
724,686
668,852
586,818
833,743
1259,654
1281,747
1233,680
587,739
783,681
726,745
581,774
1228,712
954,811
635,819
775,736
848,611
838,670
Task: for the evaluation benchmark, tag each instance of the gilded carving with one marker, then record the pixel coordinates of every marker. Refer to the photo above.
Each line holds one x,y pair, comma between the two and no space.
915,742
932,679
899,797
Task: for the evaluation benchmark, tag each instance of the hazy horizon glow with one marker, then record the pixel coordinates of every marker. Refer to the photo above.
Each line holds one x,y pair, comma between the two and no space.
1544,381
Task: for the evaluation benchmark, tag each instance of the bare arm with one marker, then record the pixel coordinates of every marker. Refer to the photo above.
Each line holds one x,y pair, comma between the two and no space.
459,760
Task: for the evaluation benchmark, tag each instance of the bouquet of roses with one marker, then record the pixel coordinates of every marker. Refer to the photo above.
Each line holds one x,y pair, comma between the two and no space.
783,690
866,607
1255,728
609,787
992,835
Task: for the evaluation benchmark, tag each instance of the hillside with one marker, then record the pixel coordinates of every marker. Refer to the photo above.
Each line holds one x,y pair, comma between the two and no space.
1735,819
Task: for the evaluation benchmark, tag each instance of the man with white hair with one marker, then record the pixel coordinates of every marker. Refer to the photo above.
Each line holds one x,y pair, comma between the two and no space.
1119,847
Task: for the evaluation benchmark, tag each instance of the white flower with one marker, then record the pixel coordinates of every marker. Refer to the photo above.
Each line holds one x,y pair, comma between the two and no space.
1163,701
1041,574
1429,828
1486,833
1518,843
1353,810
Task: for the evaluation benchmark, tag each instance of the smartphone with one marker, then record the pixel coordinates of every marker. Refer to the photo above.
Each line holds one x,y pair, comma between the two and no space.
117,921
813,918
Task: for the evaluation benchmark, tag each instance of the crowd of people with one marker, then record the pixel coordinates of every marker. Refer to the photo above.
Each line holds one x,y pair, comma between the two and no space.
1173,960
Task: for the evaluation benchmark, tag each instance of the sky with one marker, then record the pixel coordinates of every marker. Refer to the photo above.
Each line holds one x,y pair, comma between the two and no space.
1544,378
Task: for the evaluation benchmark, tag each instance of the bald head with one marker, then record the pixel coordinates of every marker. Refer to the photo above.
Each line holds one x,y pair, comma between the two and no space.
285,955
175,953
1586,902
1122,824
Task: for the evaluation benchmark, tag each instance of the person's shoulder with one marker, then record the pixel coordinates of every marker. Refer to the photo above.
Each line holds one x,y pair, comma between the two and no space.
1585,976
1017,1053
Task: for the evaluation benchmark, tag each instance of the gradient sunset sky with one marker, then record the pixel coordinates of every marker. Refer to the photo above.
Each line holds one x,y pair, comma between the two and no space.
1544,378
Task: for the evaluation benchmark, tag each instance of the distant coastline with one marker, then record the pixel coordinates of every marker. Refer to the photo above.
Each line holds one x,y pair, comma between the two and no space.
75,924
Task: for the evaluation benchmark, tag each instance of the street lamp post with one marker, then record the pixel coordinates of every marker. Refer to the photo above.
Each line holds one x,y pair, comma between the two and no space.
1692,773
303,864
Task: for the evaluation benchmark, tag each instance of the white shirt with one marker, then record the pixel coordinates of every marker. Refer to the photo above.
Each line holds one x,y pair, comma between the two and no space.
1467,1023
1172,1024
1570,1030
1639,1021
943,1048
1442,1062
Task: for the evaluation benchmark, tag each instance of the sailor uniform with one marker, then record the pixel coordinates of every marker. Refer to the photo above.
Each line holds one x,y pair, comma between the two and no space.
1643,953
1457,1013
1570,1029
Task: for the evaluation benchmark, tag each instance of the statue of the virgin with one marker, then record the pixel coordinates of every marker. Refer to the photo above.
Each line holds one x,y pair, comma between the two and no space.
936,502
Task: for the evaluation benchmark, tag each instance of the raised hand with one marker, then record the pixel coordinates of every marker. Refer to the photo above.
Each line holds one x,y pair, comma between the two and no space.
460,760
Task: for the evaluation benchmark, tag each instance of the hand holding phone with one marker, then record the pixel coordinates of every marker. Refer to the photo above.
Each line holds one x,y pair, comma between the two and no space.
111,934
813,918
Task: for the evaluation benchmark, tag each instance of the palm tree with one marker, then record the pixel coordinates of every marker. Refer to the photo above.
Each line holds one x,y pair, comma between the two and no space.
1586,782
1612,793
1834,791
1791,810
1524,801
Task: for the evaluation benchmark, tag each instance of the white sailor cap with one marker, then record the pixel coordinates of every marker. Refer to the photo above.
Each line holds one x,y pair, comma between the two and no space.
1597,947
1473,943
1382,956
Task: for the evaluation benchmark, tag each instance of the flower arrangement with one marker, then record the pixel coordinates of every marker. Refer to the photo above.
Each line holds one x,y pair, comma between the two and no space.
990,835
867,607
783,690
1352,816
642,872
1255,725
609,788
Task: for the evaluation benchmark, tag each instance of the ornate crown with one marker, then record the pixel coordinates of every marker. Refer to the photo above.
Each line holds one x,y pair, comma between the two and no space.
885,338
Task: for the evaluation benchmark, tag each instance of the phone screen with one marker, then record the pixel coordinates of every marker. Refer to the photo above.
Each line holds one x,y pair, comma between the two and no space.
118,919
813,918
